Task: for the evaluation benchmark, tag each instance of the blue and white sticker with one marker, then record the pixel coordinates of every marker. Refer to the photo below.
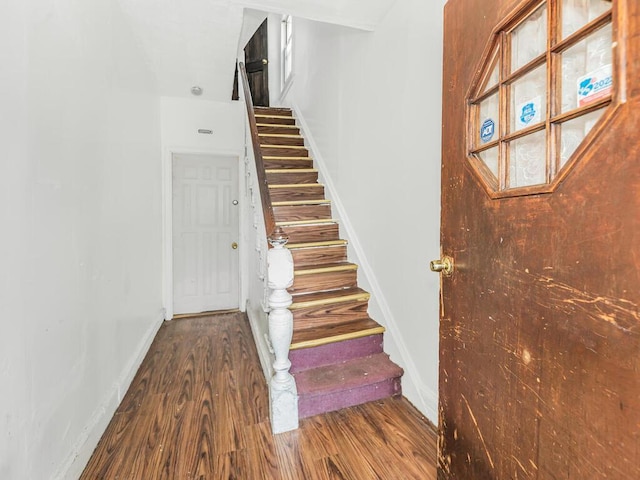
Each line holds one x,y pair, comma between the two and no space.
528,113
595,85
487,130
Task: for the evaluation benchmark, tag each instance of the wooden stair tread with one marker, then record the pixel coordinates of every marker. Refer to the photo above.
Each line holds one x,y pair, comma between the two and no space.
329,243
314,337
268,145
292,177
312,232
273,112
276,157
279,135
277,125
303,300
262,108
274,117
278,129
271,115
288,162
291,203
325,268
296,185
291,170
301,223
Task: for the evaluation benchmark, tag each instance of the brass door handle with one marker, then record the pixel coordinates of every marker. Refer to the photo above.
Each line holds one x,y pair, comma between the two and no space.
265,61
234,245
444,265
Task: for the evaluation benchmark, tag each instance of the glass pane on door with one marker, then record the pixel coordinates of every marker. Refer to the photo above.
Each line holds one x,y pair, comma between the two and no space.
577,13
489,120
529,99
573,132
490,159
587,74
528,160
529,39
492,79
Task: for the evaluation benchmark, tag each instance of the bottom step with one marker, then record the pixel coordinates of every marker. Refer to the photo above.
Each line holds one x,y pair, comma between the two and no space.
345,384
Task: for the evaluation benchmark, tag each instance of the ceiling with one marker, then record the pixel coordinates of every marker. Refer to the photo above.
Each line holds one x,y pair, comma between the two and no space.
195,42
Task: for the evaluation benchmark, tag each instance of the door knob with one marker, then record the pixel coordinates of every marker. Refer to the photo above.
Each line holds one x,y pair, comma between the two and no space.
235,202
234,245
444,265
265,61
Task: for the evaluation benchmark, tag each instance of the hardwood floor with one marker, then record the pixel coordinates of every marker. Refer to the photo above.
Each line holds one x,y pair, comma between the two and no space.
198,409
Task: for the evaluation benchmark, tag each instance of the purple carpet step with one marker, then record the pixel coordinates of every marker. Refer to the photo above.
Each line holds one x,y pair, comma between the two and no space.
337,352
360,380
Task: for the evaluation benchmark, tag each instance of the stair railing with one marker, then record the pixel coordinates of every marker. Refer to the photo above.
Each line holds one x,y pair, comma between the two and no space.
283,397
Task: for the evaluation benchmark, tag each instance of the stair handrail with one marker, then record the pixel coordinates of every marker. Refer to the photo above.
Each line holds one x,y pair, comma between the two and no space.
265,196
283,396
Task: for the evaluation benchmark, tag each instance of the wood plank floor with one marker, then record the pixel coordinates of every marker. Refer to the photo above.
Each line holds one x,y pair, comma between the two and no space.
198,409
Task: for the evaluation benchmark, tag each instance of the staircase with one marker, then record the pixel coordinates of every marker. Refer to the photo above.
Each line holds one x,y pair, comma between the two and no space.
336,354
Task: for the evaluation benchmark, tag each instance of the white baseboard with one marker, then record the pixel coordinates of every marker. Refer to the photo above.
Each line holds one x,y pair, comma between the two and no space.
258,317
422,397
431,400
86,443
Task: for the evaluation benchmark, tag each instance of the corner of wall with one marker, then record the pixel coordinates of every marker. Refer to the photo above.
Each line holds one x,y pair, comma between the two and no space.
84,446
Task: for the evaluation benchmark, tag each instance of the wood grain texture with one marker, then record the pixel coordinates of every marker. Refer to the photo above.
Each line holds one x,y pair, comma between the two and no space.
198,409
288,162
274,111
319,255
278,129
256,54
263,118
292,213
540,332
322,309
280,139
267,210
315,233
291,176
283,151
344,330
324,281
294,192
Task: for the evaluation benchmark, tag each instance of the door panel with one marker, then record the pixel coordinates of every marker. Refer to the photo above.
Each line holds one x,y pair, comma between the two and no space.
540,326
256,56
205,225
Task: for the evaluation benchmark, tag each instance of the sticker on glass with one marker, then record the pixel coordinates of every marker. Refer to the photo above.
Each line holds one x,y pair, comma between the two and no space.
595,85
487,130
528,113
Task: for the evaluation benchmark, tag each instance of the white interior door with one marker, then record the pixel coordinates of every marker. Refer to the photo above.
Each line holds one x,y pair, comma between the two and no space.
205,233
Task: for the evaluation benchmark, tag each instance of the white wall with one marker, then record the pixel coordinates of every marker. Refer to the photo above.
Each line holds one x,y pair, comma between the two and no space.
80,278
371,101
181,120
251,21
182,117
274,32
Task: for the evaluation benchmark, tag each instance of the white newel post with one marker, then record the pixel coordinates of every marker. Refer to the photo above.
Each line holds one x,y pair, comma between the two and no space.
283,396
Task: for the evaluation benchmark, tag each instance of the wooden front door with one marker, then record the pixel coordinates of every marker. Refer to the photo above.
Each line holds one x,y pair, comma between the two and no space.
256,56
540,320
